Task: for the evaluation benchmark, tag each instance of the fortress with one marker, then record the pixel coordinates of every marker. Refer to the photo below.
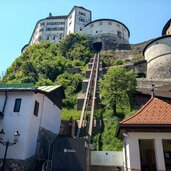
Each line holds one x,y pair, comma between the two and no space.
108,33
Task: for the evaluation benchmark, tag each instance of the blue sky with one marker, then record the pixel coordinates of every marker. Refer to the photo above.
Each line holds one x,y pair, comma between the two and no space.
144,18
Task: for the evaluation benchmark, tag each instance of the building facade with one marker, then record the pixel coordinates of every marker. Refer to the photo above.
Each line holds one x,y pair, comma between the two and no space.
34,112
55,28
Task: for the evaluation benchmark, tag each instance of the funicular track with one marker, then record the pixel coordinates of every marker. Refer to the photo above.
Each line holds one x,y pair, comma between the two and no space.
65,152
87,114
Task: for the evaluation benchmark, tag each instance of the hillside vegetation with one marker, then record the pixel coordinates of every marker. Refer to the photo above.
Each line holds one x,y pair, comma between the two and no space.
48,64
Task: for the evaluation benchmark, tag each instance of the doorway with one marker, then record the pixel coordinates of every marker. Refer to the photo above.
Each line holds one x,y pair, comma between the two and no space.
167,153
97,46
147,155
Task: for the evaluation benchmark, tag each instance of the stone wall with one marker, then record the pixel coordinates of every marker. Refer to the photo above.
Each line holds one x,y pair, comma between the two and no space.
19,165
111,42
144,83
45,139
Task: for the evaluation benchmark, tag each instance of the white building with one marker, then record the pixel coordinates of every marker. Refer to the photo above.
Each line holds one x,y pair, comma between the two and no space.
146,137
55,28
34,112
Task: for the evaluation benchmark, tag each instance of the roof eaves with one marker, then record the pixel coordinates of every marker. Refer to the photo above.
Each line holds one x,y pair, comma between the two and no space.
122,122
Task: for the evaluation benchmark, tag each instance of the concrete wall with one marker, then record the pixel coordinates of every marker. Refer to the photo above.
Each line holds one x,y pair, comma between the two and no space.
77,19
70,23
132,147
83,17
51,116
158,56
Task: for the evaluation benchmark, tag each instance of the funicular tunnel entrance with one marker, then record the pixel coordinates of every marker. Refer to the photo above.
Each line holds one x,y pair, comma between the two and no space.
97,46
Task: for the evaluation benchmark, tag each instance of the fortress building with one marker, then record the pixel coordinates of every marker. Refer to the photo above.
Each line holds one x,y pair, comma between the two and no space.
107,33
157,54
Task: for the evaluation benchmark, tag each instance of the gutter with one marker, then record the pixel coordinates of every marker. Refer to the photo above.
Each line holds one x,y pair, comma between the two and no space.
5,102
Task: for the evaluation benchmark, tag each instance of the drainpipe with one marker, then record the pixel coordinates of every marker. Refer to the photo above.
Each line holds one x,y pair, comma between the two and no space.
5,102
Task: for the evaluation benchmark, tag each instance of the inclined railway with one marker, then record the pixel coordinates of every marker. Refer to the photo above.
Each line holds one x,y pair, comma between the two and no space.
87,114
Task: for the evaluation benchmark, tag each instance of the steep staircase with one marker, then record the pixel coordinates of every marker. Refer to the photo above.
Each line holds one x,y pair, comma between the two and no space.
89,98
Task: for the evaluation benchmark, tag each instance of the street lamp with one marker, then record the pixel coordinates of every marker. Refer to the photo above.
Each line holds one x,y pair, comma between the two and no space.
7,144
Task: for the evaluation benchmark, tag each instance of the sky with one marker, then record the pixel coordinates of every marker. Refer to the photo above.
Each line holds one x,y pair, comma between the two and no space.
144,18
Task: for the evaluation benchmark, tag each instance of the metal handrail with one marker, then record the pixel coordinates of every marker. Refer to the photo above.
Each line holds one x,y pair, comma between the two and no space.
47,165
93,102
85,100
91,90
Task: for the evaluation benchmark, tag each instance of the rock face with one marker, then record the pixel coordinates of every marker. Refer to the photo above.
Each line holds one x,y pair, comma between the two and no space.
158,56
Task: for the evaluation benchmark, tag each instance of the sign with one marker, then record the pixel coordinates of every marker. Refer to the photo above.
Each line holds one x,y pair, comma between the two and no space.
106,158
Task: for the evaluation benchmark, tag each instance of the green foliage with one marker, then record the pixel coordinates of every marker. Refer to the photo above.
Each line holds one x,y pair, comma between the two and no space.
46,61
117,62
76,46
72,85
116,89
68,113
37,63
46,64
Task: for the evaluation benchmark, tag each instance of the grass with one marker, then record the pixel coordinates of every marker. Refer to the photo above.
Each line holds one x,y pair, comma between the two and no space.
68,113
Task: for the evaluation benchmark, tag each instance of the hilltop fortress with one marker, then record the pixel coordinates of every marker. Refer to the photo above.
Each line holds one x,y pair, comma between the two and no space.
109,33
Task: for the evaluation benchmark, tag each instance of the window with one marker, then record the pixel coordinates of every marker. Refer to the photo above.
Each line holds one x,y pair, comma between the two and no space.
36,108
42,24
41,30
82,13
82,19
118,25
17,105
109,23
92,25
100,23
119,34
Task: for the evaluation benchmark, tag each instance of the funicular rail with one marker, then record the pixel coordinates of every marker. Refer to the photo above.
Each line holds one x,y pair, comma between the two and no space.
89,101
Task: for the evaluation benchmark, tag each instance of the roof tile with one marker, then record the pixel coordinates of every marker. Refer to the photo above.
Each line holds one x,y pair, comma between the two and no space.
155,111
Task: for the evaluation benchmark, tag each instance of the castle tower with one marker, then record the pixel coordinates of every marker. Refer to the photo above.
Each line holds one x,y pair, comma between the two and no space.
112,34
158,56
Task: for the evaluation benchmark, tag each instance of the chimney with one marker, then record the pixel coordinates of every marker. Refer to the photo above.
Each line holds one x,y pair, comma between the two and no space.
50,14
152,91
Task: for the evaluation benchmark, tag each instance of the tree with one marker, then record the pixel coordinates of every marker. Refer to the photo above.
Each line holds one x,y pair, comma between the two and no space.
116,88
76,46
72,85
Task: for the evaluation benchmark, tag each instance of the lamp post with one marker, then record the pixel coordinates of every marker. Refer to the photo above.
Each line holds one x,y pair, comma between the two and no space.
7,144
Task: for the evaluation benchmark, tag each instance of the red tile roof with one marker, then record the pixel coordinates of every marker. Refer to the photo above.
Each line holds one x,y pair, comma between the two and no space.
154,112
